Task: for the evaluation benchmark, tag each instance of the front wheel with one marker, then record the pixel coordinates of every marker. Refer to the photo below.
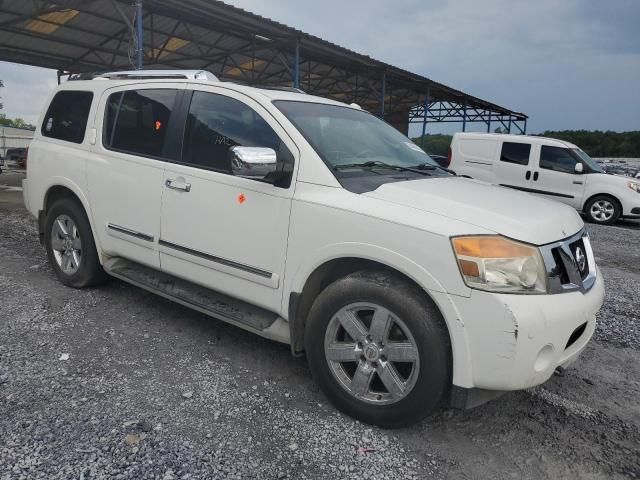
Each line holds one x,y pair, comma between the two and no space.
603,209
379,349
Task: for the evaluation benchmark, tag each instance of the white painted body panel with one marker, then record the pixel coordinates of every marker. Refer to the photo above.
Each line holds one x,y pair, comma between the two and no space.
291,232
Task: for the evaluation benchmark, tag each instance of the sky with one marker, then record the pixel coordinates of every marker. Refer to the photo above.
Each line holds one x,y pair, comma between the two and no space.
568,64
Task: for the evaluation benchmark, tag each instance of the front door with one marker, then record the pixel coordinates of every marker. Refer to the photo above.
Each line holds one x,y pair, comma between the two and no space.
226,232
126,169
556,178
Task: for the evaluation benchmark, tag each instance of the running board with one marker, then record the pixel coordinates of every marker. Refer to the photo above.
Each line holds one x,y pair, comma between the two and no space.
236,312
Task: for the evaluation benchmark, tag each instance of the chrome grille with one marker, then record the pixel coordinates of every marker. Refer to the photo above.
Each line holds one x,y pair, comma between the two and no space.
570,264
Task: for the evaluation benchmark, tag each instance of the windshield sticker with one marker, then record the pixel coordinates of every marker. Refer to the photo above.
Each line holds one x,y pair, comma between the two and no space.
413,146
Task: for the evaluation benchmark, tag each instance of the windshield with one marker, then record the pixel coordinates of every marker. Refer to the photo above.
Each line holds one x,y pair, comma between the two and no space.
349,138
591,163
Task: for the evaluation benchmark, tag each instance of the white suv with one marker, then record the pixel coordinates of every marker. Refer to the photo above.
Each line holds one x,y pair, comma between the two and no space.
547,167
313,223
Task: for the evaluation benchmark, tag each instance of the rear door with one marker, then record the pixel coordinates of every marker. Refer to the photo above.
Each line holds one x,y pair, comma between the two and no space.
226,232
555,176
126,169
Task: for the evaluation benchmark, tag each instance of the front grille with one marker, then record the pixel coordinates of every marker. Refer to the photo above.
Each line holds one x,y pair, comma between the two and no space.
569,264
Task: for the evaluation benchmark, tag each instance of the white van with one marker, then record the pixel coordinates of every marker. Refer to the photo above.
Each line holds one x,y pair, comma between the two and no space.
551,168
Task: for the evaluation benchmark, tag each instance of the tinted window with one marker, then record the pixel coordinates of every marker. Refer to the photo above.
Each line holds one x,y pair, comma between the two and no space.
216,123
515,153
67,116
557,158
137,121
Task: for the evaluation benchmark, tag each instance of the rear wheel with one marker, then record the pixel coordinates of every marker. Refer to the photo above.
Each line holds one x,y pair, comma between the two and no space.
603,209
70,245
379,349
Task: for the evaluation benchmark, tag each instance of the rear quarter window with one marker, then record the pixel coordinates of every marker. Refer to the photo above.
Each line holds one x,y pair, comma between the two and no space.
67,116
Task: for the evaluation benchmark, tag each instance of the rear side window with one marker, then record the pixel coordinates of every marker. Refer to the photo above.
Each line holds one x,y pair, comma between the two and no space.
558,159
67,116
137,121
515,153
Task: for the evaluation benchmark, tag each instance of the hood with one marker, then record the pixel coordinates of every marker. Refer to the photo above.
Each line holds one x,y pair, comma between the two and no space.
511,213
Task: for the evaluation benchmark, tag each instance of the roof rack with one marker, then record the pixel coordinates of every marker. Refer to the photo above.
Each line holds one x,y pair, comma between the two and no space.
284,89
147,75
157,74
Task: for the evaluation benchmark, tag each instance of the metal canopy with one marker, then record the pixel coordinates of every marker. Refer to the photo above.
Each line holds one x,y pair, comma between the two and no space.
75,36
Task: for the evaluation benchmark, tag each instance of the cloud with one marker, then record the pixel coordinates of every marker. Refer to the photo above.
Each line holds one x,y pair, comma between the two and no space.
25,90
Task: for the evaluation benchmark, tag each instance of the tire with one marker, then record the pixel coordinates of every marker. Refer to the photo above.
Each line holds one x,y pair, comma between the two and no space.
67,229
377,299
603,209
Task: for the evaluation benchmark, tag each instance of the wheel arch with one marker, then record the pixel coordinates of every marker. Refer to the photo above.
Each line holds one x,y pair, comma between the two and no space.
63,188
601,194
301,300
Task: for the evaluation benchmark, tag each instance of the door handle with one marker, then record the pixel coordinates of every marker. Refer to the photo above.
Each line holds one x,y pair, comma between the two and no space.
174,185
528,175
535,176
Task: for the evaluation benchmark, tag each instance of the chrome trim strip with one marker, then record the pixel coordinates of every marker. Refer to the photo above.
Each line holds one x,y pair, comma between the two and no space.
221,261
133,233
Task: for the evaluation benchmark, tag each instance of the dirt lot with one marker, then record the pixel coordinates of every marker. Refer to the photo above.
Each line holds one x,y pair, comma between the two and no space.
117,383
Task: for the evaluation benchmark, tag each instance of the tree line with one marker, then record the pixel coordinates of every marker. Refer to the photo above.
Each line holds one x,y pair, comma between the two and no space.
596,143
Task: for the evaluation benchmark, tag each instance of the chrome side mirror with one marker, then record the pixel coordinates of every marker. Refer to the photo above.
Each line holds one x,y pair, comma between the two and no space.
579,168
252,162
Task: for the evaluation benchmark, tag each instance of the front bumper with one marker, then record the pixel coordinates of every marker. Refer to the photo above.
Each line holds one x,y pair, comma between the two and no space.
517,341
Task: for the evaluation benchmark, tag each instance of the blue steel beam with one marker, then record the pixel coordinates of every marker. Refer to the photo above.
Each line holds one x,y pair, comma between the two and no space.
139,35
426,114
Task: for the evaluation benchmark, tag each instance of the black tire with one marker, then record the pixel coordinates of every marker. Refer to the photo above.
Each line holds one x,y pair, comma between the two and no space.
592,212
418,313
89,272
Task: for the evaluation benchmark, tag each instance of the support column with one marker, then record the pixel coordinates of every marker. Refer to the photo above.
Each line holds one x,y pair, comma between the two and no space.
383,93
524,129
464,116
139,35
509,129
489,123
424,119
296,66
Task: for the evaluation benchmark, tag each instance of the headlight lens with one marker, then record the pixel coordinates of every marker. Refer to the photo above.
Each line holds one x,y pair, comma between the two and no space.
497,264
635,186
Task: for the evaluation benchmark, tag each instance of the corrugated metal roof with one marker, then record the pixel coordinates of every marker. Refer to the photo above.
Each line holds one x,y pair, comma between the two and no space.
209,34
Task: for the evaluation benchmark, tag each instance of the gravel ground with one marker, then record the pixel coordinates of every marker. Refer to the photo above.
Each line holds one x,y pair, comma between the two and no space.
117,383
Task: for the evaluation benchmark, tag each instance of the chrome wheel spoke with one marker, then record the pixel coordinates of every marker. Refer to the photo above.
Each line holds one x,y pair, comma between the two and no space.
362,379
400,352
352,324
75,259
391,380
380,324
342,352
61,227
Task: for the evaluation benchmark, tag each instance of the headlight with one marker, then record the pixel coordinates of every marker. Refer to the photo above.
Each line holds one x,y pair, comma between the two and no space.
635,186
497,264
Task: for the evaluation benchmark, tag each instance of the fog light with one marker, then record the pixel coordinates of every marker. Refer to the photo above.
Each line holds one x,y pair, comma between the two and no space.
544,358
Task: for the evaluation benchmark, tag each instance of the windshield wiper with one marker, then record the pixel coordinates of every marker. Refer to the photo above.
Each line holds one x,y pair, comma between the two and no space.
428,166
376,163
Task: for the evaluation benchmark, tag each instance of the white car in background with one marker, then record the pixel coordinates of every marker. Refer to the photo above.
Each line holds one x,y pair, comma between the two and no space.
550,168
316,224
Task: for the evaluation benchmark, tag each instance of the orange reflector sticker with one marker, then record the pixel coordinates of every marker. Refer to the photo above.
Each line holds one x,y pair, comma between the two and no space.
158,124
242,198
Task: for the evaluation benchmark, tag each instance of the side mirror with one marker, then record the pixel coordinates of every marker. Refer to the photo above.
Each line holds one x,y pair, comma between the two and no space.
579,168
252,162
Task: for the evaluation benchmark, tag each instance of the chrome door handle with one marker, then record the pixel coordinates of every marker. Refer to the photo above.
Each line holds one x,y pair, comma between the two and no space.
173,185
